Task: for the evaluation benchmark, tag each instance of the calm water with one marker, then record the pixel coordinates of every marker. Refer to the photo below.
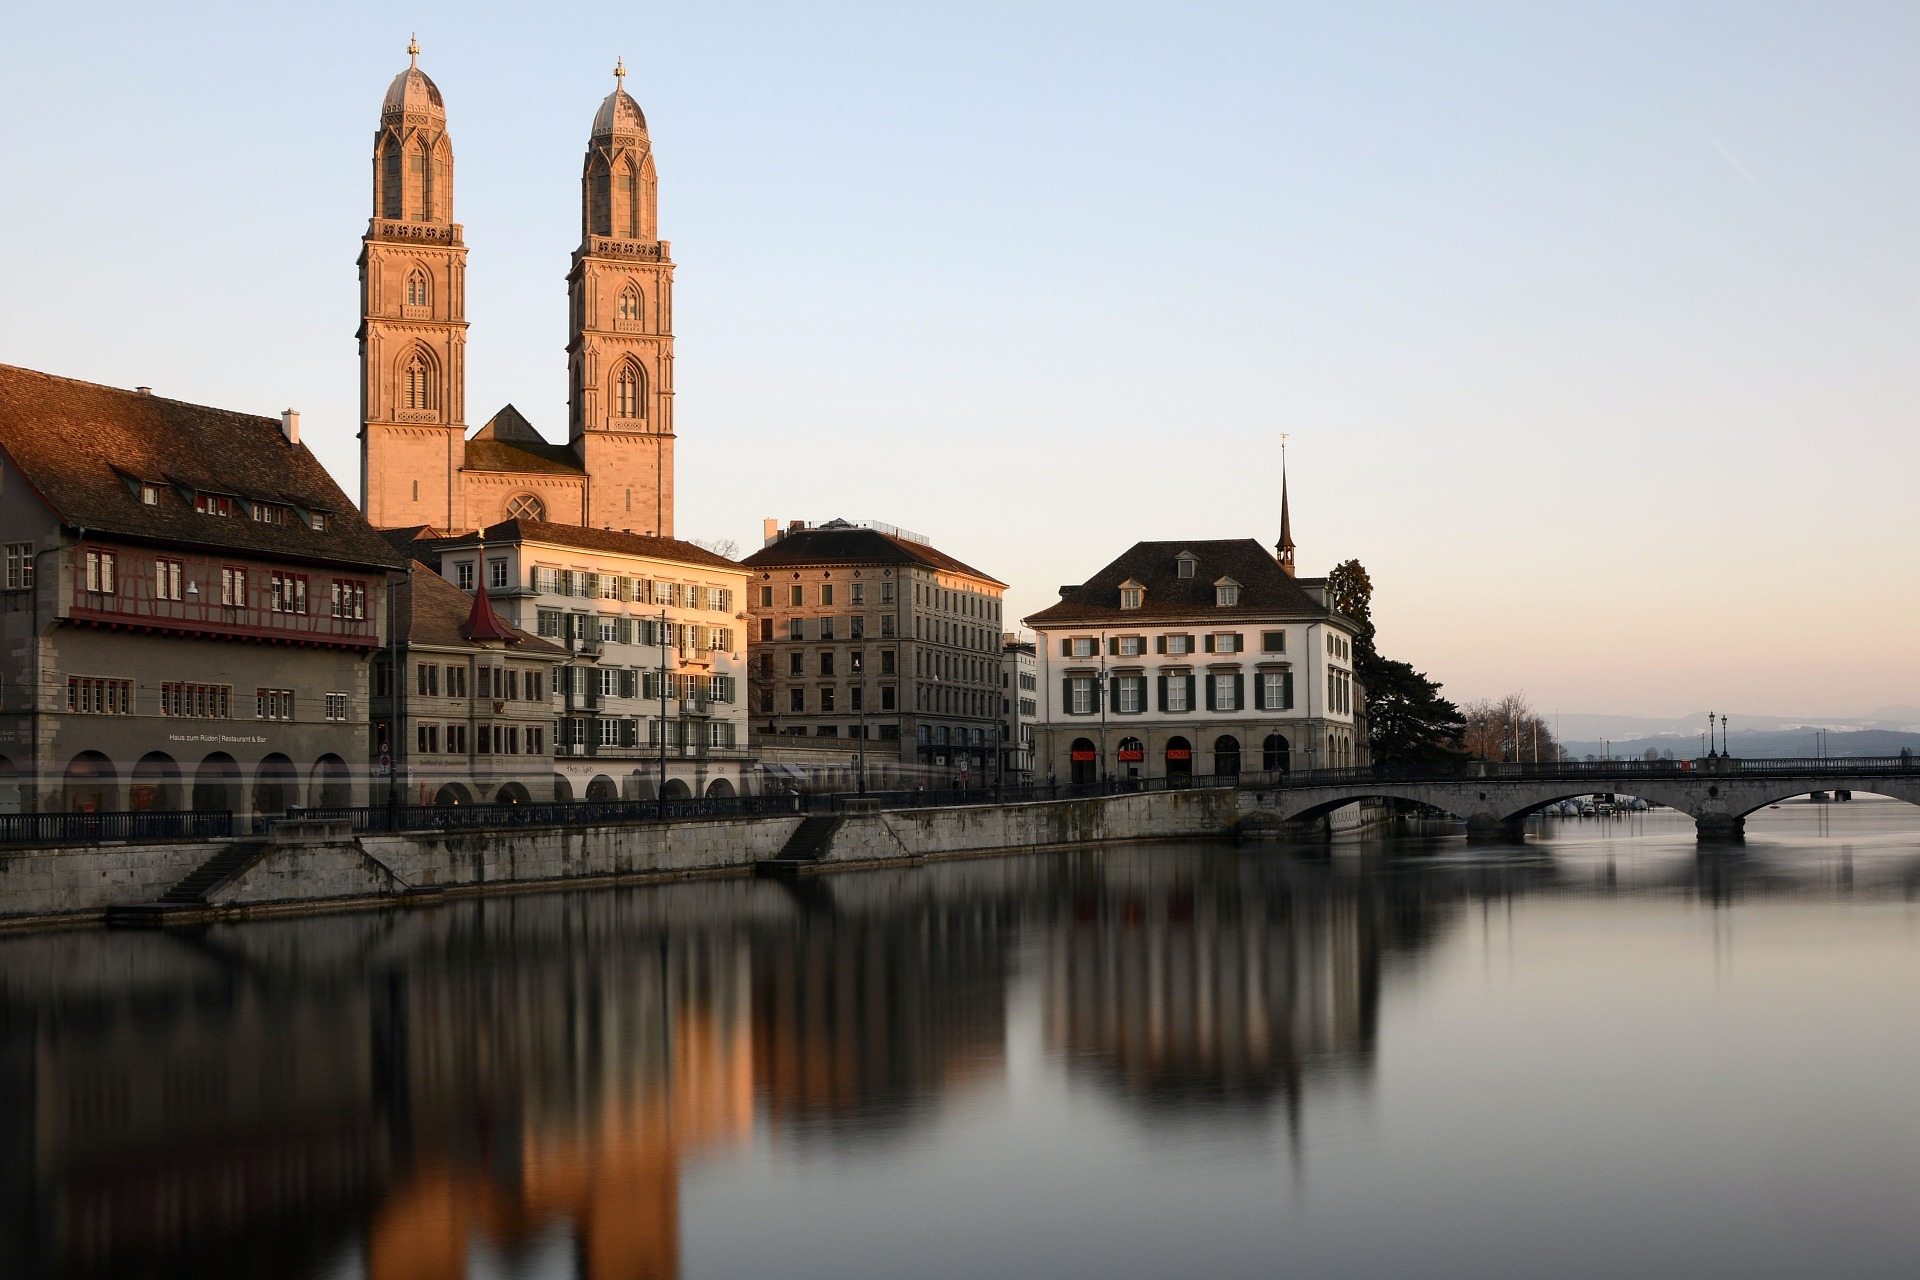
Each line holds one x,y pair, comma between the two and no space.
1600,1055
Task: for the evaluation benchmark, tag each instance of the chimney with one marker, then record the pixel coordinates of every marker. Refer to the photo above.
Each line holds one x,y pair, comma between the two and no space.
795,526
769,531
290,425
143,391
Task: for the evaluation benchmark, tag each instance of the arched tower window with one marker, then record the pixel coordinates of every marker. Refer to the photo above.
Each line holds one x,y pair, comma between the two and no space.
524,506
419,288
629,392
630,303
419,381
629,208
421,182
599,199
392,181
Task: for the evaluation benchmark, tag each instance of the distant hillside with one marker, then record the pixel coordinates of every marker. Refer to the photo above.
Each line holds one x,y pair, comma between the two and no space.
1585,727
1759,744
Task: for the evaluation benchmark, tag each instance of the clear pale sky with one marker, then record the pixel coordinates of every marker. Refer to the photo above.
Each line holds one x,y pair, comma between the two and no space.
1594,326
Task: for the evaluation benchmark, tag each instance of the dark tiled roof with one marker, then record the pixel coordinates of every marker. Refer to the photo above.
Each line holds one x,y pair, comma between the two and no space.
573,535
851,544
1265,591
434,611
521,456
74,441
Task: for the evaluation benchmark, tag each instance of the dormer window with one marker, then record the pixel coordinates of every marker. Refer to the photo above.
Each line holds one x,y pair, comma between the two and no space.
149,494
1226,593
1184,563
213,504
1132,594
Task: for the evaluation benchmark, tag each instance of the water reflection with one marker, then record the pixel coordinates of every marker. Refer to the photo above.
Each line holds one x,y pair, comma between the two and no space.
523,1084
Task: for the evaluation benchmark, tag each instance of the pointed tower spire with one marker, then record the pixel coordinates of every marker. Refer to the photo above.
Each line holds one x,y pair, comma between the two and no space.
484,624
1285,547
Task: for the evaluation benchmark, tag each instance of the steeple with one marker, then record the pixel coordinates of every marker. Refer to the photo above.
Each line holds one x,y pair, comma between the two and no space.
1285,547
620,343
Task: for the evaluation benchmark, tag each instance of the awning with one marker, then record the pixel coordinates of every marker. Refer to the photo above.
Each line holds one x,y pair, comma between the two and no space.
775,770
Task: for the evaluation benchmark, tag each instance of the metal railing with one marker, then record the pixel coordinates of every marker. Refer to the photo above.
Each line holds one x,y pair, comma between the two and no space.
1592,770
141,825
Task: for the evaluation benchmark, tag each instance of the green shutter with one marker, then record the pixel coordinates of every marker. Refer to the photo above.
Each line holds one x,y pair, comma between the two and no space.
1066,695
1209,642
1159,644
1209,693
1259,692
1191,704
1163,693
1239,691
1113,646
1066,647
1286,691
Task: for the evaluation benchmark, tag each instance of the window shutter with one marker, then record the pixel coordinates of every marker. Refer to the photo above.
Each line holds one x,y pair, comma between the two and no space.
629,684
1286,691
1163,692
1239,691
1066,695
1113,696
1159,644
1066,647
1209,643
1113,646
1209,692
626,631
1259,693
1191,704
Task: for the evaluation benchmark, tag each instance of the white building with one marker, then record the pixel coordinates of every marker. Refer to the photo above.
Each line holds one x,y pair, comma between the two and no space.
1194,658
657,628
1019,706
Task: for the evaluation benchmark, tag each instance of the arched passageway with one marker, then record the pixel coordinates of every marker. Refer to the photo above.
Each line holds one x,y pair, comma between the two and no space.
452,793
10,799
1083,760
1226,756
677,790
562,789
216,784
91,784
1131,756
602,789
719,789
1275,754
512,793
331,786
1179,757
156,784
275,785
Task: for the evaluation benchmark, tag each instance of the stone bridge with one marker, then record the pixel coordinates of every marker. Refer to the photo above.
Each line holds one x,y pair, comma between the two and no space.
1495,799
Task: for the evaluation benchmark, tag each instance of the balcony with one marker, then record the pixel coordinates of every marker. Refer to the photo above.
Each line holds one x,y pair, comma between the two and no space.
583,699
699,707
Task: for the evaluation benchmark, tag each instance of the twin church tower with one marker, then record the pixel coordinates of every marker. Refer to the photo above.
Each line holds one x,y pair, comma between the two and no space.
416,465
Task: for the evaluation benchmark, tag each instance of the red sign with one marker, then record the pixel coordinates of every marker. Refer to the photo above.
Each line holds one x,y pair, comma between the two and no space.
1081,757
1179,753
1131,753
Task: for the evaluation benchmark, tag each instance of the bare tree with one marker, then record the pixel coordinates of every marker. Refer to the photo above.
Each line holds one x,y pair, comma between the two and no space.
1508,729
727,547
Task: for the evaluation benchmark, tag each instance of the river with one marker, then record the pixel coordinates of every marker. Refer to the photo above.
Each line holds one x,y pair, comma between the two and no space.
1602,1054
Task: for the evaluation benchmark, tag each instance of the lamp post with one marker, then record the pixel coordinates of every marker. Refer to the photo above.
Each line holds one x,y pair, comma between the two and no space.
1713,752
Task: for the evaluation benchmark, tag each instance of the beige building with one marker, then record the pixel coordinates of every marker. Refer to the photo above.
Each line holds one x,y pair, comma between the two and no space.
655,630
473,717
187,608
417,466
869,636
1019,706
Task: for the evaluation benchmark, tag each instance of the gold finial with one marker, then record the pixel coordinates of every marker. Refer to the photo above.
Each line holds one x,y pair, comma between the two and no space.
413,51
619,73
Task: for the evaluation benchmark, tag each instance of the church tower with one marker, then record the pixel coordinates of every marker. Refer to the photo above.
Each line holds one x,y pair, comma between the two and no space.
620,349
413,306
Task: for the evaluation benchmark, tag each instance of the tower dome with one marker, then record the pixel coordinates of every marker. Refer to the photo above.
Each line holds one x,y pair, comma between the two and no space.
412,93
619,114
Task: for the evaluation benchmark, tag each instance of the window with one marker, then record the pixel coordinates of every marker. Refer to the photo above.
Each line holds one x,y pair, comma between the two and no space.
793,629
1176,695
213,504
1276,690
886,662
796,664
463,575
289,593
336,706
1184,563
427,739
536,686
548,622
796,595
19,566
629,308
349,599
1273,642
826,697
826,628
427,680
1181,644
826,663
826,593
319,522
858,623
416,383
1226,594
166,579
1132,695
497,578
195,701
92,695
766,597
1080,696
269,513
536,740
796,699
1224,642
100,572
419,289
628,388
859,592
1131,646
456,739
273,704
1226,692
1132,597
457,681
149,494
1082,647
886,593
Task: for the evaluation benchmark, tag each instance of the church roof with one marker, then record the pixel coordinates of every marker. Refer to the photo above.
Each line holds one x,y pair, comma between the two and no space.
1265,589
523,456
619,113
412,93
86,449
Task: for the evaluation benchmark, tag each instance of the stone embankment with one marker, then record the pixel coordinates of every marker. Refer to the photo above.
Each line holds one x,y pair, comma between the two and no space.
320,866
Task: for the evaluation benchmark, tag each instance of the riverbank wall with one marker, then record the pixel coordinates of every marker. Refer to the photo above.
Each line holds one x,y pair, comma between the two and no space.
321,867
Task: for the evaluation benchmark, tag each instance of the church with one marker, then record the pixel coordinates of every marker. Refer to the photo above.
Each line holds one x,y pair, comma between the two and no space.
417,466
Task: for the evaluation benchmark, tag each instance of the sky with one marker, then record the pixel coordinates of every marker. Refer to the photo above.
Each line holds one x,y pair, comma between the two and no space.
1592,328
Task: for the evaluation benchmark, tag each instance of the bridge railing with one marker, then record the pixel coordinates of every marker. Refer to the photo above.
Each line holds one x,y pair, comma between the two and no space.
1597,771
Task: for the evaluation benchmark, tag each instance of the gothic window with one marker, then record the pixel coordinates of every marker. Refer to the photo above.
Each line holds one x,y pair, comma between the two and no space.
423,184
525,506
630,203
390,186
419,288
630,305
629,392
417,389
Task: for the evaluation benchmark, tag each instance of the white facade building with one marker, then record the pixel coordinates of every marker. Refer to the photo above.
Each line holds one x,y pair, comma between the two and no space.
1019,706
657,630
1194,658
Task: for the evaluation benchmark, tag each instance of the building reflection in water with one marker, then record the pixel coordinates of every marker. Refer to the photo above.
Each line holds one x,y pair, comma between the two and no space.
421,1095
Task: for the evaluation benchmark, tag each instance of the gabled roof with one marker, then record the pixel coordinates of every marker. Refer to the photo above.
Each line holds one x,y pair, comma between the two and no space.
851,544
434,611
573,535
1265,590
523,457
83,448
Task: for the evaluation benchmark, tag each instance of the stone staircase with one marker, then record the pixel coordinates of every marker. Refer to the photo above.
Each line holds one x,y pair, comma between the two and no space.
186,902
804,847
